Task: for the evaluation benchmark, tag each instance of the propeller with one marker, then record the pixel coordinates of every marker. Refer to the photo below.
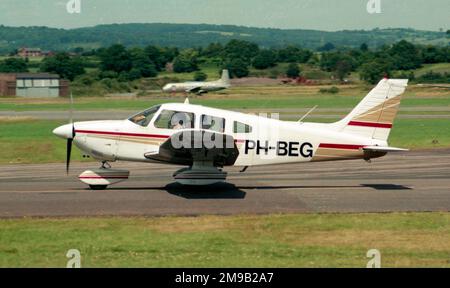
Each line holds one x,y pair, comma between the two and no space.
70,140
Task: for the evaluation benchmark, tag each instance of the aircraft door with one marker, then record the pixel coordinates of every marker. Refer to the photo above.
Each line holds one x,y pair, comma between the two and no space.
242,135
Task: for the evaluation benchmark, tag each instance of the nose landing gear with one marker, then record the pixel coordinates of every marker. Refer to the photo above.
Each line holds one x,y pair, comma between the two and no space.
101,178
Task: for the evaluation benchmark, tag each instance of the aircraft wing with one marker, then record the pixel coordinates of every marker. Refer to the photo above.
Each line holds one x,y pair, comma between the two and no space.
198,146
194,89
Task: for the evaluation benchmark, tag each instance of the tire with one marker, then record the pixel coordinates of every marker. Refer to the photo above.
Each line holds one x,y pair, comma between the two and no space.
98,187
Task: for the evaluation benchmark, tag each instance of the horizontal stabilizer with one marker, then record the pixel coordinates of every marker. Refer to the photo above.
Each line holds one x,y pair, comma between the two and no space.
383,149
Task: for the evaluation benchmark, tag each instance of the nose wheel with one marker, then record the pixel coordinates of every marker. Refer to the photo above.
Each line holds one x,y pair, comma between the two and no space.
101,178
98,187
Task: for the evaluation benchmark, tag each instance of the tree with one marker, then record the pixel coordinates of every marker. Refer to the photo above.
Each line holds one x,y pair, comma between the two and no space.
142,65
186,61
237,68
405,55
159,56
241,49
432,54
327,47
265,59
343,69
13,65
294,54
364,47
13,52
115,58
339,63
374,71
293,71
200,76
213,50
62,64
78,50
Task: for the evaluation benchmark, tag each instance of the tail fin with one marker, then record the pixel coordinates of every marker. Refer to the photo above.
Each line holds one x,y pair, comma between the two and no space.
374,115
225,77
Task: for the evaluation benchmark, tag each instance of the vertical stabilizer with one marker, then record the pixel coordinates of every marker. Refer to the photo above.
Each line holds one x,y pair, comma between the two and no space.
374,116
225,77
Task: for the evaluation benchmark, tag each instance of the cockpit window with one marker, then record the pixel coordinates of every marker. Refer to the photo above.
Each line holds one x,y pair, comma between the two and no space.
176,120
144,118
213,123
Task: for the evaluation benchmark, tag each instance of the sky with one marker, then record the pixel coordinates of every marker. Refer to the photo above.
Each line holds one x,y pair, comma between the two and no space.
330,15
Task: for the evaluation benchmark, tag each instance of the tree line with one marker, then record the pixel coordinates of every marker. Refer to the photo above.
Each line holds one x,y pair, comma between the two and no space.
239,56
192,35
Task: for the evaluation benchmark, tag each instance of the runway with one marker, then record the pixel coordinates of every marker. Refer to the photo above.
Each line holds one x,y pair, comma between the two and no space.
412,181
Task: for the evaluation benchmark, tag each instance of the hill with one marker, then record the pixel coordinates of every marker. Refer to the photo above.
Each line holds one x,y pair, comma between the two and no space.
194,35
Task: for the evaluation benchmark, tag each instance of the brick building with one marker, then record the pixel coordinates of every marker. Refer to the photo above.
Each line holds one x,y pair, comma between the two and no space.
33,85
30,52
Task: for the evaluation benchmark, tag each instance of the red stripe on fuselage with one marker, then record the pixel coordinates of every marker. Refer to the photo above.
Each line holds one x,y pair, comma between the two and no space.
123,134
341,146
370,124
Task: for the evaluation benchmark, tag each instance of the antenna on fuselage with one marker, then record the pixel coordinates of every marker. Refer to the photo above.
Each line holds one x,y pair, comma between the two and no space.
307,113
186,101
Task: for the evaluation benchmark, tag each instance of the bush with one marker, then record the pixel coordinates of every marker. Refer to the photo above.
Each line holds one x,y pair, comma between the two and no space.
108,74
13,65
237,68
293,71
186,62
432,77
374,71
331,90
265,59
86,79
200,76
64,65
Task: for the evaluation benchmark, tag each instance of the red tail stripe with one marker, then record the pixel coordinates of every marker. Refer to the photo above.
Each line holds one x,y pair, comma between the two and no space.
341,146
123,134
370,124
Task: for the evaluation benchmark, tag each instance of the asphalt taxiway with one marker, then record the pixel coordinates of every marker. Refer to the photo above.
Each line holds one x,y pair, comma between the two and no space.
406,182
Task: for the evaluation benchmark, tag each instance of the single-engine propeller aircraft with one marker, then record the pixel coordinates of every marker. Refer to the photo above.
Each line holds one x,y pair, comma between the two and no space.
199,87
206,140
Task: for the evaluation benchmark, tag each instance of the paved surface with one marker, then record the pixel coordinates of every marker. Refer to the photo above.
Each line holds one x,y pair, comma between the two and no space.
415,181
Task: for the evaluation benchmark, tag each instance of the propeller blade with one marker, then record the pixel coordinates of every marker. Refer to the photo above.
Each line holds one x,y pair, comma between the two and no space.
69,152
74,132
71,108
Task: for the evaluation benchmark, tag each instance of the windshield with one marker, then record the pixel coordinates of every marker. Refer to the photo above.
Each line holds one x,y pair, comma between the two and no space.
144,118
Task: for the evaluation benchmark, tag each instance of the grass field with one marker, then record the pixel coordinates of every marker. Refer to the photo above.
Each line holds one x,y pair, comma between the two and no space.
31,141
436,68
240,97
327,240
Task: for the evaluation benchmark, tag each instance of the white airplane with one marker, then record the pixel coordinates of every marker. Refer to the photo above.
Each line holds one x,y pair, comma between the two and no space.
199,87
206,140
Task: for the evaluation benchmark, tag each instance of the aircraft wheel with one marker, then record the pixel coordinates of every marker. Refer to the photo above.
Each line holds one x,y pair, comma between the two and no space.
98,187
